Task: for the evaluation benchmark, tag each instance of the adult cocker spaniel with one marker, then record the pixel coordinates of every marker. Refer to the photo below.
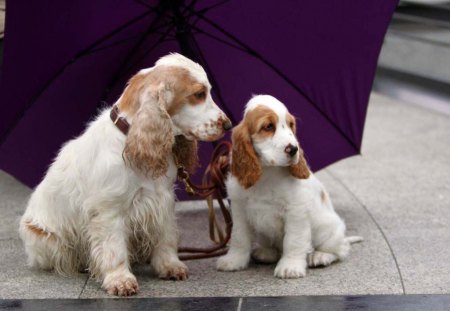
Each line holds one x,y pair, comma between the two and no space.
107,200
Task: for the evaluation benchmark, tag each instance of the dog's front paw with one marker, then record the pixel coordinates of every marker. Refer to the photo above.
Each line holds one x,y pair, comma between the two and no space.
232,262
176,271
121,284
290,268
320,259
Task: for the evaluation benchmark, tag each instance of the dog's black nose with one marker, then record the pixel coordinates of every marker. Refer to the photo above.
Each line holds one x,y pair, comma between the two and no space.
291,150
227,125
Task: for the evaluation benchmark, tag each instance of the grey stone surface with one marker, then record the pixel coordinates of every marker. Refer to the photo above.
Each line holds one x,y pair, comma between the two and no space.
423,256
19,281
403,177
13,199
419,49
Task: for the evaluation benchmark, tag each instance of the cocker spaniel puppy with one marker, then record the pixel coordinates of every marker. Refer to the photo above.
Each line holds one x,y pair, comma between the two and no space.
276,201
107,200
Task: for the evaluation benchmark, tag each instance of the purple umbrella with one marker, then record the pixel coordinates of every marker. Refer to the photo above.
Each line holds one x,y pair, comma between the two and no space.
64,60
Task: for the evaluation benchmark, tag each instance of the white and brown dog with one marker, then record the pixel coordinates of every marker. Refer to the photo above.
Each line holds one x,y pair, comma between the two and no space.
107,200
276,201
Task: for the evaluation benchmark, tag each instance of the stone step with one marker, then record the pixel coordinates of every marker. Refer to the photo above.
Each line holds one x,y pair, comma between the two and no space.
418,42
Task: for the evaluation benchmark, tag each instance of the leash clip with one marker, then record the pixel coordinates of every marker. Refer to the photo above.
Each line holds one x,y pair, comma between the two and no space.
183,176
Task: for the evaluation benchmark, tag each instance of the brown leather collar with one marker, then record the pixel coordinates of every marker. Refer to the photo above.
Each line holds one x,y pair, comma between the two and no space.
120,122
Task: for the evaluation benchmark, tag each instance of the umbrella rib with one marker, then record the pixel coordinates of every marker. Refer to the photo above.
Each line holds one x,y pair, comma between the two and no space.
191,5
145,34
124,41
141,2
206,9
160,40
255,54
82,53
154,30
123,69
219,39
109,35
216,87
190,48
113,44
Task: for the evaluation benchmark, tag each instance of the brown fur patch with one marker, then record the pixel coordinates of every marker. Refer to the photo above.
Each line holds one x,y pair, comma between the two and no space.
258,118
150,139
291,122
39,232
247,167
301,169
197,88
323,197
183,91
178,79
129,101
245,164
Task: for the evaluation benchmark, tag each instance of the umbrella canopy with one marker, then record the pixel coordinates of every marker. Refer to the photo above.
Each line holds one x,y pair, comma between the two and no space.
65,60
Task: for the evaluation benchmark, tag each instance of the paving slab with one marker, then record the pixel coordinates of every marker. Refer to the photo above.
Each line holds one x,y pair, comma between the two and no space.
423,256
13,198
19,281
403,178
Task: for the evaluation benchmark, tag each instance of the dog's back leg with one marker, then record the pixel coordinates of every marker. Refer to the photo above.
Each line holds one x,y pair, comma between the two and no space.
40,245
47,250
336,248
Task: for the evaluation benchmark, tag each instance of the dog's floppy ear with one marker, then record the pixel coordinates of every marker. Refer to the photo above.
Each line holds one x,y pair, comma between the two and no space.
150,138
301,169
245,164
186,152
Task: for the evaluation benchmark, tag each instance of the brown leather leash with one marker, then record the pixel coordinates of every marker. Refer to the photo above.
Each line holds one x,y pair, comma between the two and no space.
213,186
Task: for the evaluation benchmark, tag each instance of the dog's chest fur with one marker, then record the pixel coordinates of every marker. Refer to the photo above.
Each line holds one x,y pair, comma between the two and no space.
267,202
266,219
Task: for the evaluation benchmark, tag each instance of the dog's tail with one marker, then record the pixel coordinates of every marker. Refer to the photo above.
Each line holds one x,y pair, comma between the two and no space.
354,239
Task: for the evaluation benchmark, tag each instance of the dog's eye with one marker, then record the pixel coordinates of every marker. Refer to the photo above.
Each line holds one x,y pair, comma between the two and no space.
200,95
291,125
269,127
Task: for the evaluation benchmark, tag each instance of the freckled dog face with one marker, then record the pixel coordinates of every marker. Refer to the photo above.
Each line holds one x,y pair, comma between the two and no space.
196,114
171,99
183,87
265,137
190,105
272,130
